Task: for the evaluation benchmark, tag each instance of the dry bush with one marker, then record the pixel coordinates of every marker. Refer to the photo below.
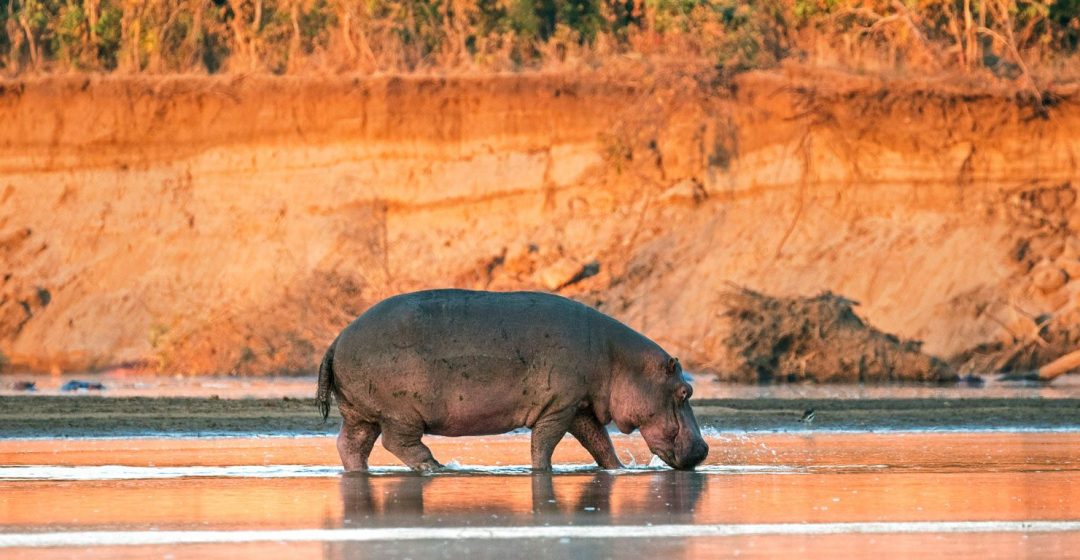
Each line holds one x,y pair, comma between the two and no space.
1025,41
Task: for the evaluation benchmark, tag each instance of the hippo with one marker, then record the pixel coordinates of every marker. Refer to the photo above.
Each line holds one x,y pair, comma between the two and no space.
470,363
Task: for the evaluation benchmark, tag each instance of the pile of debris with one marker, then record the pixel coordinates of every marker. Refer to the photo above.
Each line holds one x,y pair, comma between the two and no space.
818,339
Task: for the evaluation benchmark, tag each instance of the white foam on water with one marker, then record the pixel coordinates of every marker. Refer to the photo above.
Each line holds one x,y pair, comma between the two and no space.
178,435
655,462
123,472
121,538
723,433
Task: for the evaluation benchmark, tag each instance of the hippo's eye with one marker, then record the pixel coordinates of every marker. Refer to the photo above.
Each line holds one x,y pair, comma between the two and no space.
682,392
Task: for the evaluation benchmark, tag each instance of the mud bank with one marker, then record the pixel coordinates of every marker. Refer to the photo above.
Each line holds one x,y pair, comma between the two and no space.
234,225
37,417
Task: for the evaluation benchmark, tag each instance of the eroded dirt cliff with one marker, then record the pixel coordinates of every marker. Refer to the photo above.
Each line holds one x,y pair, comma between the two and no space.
213,225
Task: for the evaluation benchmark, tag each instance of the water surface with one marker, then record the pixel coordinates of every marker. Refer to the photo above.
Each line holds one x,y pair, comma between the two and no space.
957,495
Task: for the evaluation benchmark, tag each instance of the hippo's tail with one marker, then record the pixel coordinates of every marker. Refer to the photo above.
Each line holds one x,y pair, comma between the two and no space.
327,387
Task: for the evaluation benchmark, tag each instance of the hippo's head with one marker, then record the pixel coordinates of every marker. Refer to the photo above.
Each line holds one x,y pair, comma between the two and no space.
656,400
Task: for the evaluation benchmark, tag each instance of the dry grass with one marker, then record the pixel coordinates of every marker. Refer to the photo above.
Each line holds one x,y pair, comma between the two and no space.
1027,43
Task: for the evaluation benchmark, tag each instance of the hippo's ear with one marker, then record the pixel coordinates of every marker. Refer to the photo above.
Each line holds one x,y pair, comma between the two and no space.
672,365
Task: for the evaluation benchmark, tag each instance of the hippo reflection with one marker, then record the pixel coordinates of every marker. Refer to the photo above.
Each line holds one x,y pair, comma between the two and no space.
486,500
470,500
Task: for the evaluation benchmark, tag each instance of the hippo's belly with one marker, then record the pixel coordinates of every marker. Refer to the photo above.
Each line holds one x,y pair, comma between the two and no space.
485,395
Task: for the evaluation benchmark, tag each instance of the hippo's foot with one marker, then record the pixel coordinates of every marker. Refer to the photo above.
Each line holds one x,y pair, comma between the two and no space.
404,443
430,465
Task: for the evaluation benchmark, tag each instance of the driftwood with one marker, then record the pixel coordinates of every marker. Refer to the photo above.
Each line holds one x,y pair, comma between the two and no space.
1048,372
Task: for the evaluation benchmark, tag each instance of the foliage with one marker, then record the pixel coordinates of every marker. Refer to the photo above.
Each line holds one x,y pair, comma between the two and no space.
1004,37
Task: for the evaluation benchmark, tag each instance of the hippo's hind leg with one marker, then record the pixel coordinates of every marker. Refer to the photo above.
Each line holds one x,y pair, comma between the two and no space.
354,444
404,442
595,439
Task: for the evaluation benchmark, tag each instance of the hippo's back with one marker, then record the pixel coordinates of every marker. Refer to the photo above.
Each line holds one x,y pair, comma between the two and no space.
471,333
463,322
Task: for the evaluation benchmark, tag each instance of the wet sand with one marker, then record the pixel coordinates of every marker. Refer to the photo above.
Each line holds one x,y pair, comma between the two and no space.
836,495
93,416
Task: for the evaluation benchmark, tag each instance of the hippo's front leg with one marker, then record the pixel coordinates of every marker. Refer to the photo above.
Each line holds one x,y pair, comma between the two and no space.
595,439
546,434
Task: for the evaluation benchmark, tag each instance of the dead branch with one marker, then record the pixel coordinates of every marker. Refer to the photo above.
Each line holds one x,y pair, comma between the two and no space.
1048,372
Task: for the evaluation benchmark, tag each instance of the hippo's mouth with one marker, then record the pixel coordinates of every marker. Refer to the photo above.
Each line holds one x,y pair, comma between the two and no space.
682,459
686,464
666,453
682,450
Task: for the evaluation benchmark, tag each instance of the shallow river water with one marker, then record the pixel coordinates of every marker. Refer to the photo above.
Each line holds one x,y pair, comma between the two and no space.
813,495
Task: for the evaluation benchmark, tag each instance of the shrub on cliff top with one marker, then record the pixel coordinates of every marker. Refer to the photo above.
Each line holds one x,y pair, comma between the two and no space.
1007,38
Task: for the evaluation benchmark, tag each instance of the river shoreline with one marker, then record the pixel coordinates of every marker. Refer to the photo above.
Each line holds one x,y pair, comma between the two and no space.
93,416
